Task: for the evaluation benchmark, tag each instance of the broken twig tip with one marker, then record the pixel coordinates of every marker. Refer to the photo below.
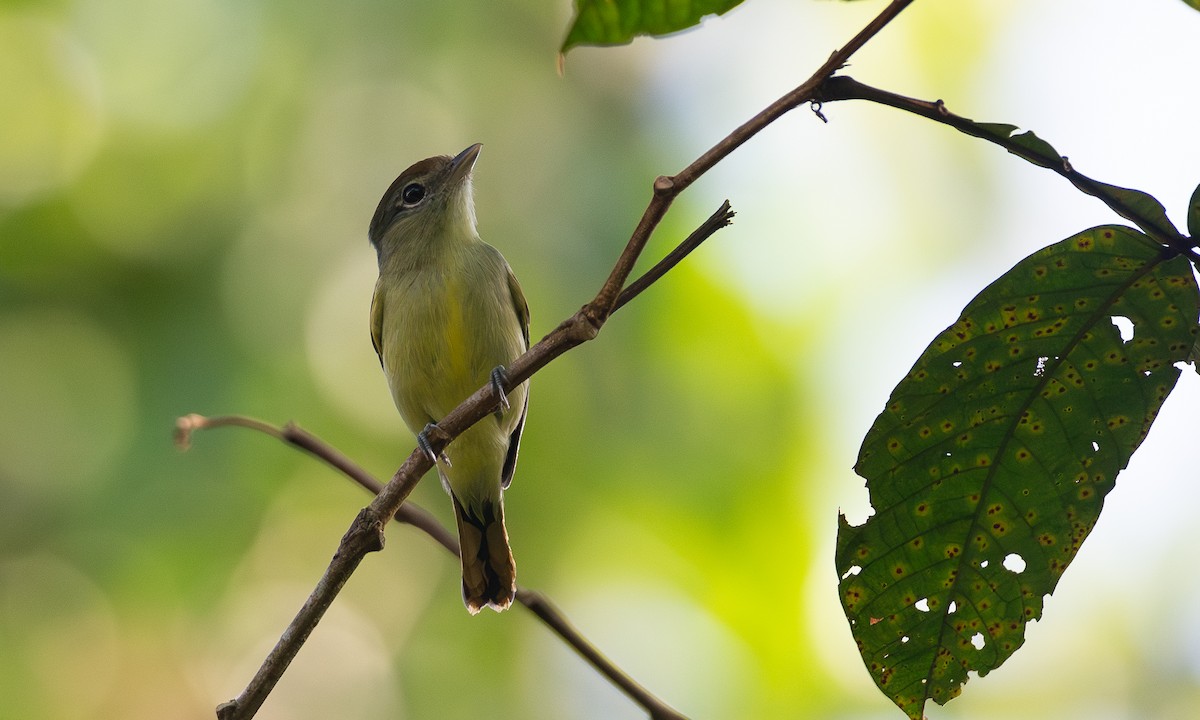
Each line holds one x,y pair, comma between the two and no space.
185,426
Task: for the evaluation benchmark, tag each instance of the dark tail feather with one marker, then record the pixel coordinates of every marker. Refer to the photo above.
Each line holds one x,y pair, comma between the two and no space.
489,575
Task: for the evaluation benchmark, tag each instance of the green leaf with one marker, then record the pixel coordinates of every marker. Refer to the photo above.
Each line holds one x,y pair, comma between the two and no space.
616,22
1144,207
1193,213
1193,3
1048,156
989,465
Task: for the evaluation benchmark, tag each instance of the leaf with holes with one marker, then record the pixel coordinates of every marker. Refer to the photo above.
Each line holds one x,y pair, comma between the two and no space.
989,465
616,22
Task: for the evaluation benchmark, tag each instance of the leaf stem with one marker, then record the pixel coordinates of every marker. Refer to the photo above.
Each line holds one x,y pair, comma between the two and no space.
1156,225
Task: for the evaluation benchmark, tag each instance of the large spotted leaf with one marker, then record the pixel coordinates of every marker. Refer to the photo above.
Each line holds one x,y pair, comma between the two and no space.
990,463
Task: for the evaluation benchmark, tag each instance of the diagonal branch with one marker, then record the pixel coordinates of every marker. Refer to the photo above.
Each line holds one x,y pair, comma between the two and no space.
366,532
412,514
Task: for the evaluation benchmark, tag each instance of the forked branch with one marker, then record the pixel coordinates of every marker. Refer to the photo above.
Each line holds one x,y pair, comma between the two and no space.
420,518
366,533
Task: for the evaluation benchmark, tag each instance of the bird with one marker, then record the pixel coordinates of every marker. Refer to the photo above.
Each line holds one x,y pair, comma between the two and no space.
447,316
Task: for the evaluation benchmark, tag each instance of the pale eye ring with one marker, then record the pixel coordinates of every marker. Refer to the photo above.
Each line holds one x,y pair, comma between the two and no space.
412,194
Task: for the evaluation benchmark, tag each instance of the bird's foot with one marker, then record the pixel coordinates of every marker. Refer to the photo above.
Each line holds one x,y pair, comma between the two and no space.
499,382
426,445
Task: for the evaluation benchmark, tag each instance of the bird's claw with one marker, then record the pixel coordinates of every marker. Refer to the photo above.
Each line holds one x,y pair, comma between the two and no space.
426,446
499,381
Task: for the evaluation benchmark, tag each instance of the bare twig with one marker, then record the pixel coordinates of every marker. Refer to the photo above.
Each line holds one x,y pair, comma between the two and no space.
541,606
722,217
412,514
296,436
1154,224
366,533
667,188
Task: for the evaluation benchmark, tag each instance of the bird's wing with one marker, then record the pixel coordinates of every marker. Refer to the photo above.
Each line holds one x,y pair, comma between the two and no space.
377,321
519,304
514,440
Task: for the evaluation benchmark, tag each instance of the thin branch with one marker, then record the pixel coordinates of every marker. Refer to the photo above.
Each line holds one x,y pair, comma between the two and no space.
667,188
296,436
1120,200
412,514
366,533
541,606
722,217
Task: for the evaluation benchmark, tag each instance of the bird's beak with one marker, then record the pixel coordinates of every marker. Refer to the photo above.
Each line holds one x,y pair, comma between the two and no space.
461,165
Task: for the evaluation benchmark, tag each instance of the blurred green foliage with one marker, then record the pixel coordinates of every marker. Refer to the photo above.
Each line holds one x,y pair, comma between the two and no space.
185,188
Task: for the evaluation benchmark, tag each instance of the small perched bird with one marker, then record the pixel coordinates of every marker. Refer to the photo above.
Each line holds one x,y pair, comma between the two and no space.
447,316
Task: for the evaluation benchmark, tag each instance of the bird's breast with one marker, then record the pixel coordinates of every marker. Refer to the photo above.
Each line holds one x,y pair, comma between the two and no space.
443,331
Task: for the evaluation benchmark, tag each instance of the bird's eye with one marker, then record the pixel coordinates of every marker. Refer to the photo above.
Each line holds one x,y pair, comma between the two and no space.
412,193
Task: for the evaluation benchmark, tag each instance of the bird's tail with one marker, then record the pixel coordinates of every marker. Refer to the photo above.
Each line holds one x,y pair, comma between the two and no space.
489,575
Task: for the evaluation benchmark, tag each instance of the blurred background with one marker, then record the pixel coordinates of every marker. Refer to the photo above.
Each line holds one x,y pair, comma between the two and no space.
185,187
